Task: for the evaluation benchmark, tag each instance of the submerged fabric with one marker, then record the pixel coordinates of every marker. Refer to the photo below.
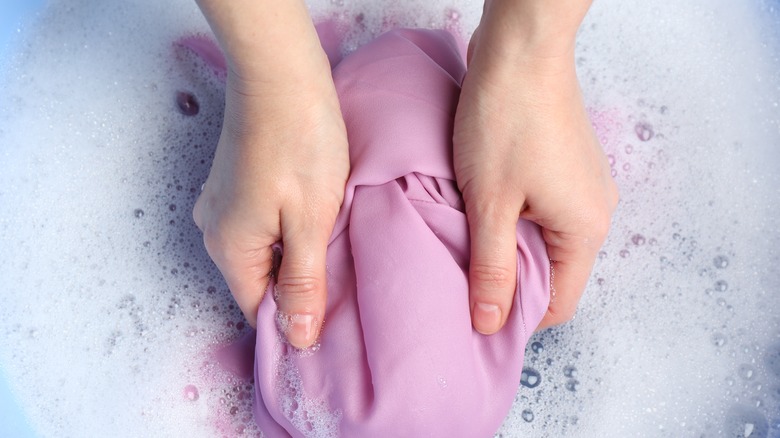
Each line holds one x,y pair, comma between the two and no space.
397,354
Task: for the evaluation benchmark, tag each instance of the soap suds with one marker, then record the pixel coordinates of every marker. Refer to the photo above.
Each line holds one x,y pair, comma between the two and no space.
111,306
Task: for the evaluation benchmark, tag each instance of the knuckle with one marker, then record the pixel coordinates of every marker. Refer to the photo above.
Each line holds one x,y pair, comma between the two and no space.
213,241
601,225
597,223
217,244
481,203
196,214
202,211
492,277
299,287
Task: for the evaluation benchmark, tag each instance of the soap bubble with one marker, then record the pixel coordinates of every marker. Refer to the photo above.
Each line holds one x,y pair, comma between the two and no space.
187,103
644,131
191,393
721,262
530,378
746,372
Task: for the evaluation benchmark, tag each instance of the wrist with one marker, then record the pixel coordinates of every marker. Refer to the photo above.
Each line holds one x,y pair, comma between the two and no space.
306,79
517,30
266,40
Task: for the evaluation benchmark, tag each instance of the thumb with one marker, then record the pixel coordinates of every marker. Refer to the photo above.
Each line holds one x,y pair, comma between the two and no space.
301,283
493,265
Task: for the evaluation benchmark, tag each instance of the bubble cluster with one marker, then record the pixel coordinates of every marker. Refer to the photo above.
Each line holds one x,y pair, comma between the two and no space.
310,416
229,403
126,296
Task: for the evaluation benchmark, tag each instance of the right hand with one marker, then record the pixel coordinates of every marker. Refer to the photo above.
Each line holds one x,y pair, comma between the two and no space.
278,174
524,148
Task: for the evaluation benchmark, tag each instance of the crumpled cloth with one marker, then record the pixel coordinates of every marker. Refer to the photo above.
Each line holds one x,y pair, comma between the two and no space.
397,355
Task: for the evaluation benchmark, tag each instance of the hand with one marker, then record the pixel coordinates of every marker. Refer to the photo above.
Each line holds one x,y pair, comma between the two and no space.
524,148
278,174
281,164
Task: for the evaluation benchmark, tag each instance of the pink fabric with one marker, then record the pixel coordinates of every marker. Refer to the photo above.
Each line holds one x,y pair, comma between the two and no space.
398,355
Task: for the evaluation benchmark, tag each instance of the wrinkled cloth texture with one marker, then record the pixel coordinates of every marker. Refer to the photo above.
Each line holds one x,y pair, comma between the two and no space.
397,354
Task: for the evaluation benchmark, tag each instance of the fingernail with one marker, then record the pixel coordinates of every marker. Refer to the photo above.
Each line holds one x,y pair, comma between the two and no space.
487,318
303,330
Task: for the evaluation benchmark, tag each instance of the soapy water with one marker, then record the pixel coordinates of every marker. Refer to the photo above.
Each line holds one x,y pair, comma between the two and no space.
115,322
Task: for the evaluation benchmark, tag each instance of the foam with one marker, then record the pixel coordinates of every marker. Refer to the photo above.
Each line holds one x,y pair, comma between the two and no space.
310,416
109,316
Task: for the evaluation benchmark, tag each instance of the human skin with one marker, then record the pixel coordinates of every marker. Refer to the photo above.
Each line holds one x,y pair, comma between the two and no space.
522,141
282,161
524,147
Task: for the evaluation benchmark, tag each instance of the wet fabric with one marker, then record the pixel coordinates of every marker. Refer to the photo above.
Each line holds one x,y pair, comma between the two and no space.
397,355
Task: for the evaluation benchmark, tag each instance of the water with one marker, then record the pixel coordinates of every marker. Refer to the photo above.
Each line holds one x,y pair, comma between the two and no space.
111,307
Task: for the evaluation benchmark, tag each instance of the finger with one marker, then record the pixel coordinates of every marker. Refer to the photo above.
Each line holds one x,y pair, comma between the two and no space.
573,260
301,283
493,265
246,273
